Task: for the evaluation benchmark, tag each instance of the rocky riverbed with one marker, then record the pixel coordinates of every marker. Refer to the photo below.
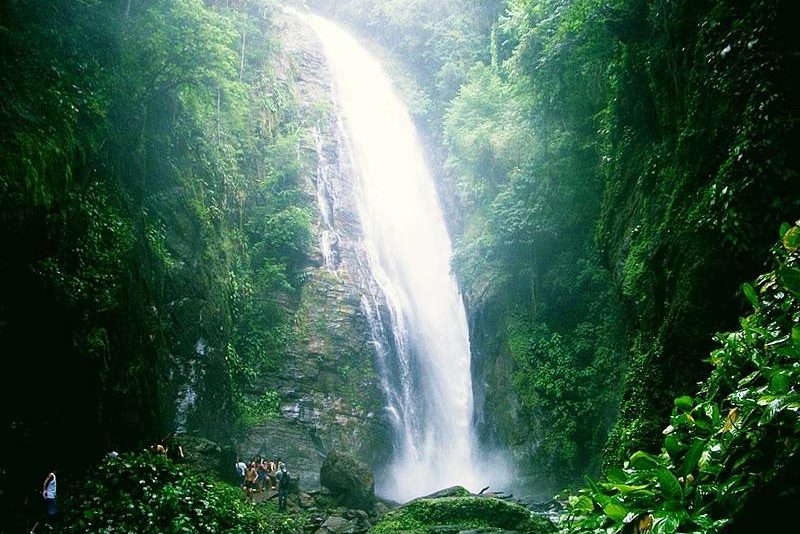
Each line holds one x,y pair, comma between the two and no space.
347,504
451,511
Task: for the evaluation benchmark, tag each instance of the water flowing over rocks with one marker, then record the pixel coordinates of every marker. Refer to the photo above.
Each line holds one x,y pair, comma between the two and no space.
409,294
327,383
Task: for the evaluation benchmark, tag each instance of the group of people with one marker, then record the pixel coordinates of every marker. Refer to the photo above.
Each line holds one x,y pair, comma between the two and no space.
263,474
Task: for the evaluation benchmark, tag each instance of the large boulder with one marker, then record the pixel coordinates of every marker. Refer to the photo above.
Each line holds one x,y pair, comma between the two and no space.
350,482
453,515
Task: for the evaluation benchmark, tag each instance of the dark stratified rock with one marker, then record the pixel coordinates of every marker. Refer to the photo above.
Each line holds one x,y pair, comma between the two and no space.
349,481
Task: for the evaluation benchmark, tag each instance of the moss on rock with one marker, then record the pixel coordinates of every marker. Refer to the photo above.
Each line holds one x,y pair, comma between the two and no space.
463,513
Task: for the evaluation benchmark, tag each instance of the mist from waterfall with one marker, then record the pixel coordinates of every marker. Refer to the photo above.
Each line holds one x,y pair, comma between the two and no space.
414,306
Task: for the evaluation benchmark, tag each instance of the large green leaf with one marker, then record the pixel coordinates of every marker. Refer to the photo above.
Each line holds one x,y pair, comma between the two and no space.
712,412
684,403
597,494
615,511
673,446
668,522
582,504
645,461
791,239
703,425
779,383
616,475
627,488
669,484
790,278
750,293
772,409
692,456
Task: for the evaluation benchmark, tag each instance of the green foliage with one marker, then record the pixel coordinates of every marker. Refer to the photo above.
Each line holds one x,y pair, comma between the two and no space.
569,384
626,137
684,142
85,267
462,513
146,493
265,407
737,435
527,171
289,234
485,132
151,218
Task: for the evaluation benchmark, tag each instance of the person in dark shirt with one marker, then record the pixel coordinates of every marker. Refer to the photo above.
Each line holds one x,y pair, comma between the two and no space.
284,481
174,449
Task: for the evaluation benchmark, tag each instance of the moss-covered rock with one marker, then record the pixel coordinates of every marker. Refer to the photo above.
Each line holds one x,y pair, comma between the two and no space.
452,491
459,514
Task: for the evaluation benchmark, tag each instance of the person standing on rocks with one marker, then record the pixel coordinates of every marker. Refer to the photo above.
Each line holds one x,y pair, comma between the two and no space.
272,471
250,478
49,495
284,481
263,476
241,468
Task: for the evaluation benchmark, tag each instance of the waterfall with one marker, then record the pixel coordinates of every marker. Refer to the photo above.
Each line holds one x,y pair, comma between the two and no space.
411,300
329,238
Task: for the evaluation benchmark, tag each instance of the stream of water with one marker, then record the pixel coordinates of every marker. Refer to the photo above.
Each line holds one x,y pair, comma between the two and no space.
414,307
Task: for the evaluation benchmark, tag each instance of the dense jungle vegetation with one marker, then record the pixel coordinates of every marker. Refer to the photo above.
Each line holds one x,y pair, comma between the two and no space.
621,167
614,170
149,213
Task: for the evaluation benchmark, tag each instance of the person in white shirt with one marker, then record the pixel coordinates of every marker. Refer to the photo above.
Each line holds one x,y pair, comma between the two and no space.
241,469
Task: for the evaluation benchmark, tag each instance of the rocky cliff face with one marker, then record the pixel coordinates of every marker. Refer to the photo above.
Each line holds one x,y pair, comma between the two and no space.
499,419
330,396
496,406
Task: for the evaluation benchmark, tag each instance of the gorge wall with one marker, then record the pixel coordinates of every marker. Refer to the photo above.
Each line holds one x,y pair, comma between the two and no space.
594,300
330,397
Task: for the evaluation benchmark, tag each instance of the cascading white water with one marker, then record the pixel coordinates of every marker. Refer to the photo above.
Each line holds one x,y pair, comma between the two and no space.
328,234
418,320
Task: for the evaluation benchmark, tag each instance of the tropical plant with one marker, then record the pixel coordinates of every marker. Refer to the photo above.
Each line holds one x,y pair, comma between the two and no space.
149,494
740,432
